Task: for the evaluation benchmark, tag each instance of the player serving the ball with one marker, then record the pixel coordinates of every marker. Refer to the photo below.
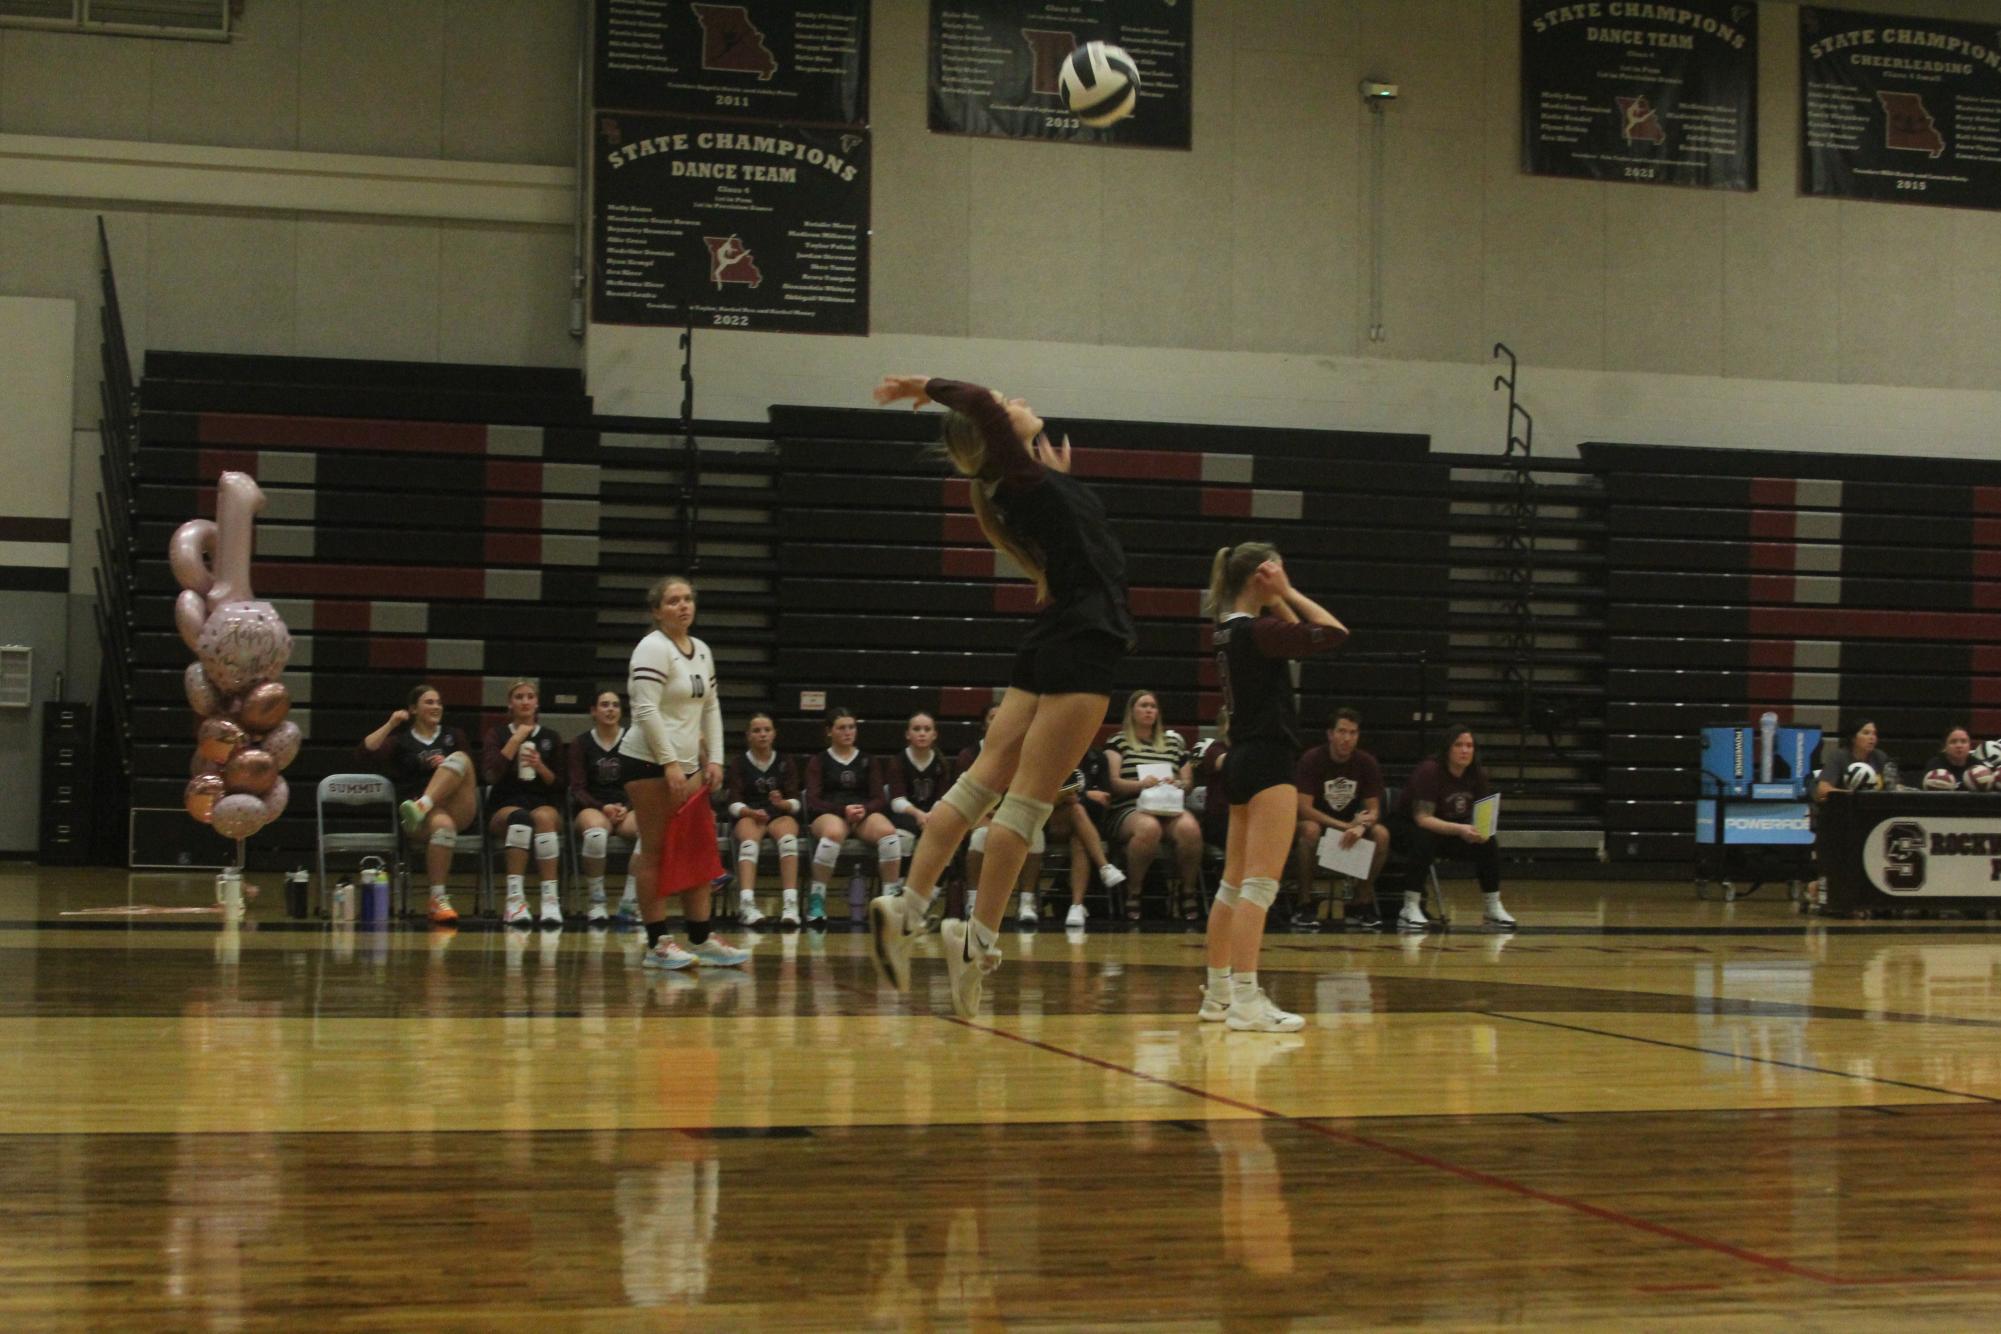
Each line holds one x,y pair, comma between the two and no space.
1053,528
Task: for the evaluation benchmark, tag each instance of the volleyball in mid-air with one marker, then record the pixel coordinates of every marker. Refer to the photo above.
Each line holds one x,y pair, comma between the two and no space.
1100,84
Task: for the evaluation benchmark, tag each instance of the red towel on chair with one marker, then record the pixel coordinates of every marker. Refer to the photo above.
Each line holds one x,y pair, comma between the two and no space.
690,860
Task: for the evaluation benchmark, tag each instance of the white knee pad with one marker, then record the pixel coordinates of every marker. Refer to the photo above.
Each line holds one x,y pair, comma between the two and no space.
1226,895
906,844
1039,844
970,799
547,846
1022,816
747,850
788,845
978,842
826,853
519,836
1259,890
888,848
444,837
457,763
595,842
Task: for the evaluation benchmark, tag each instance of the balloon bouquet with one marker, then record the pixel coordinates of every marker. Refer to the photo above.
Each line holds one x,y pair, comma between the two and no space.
244,741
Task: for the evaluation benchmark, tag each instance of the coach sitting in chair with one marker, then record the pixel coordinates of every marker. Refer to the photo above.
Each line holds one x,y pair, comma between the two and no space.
1340,788
1434,819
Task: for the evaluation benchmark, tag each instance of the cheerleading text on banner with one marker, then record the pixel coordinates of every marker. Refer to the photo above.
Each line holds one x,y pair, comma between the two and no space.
1625,91
995,66
1900,108
730,225
790,60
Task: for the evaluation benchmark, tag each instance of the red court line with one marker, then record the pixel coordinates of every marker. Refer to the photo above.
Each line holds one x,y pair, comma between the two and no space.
1769,1262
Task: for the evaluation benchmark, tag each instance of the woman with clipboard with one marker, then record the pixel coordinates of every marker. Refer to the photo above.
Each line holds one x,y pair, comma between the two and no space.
1449,809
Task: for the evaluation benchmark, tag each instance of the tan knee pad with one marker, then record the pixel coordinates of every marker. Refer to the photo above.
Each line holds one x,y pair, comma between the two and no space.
1023,816
458,762
1226,895
1258,890
970,799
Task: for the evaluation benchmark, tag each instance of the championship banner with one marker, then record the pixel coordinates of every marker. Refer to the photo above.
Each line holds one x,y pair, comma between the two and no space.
994,66
1900,108
721,224
1619,90
791,60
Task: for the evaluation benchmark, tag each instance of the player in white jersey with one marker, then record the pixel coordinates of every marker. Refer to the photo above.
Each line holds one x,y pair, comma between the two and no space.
672,755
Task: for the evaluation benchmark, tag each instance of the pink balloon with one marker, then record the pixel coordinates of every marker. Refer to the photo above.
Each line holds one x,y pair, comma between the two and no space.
243,642
190,610
276,800
218,739
264,706
203,697
238,815
189,552
281,743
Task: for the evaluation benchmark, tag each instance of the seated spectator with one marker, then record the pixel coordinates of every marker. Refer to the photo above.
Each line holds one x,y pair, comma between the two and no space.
1207,796
763,801
426,761
1079,816
1860,748
1434,819
913,779
840,801
597,790
522,759
1947,770
1146,754
1341,788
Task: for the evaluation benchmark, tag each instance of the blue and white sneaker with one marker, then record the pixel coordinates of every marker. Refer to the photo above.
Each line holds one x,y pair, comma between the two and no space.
713,953
668,955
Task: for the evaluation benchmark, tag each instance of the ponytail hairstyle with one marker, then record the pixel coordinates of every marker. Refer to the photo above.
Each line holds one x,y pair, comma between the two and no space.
1231,570
966,447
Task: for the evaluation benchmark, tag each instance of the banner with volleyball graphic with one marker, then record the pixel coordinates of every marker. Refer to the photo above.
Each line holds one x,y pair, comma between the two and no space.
790,60
1663,94
997,68
1899,108
729,224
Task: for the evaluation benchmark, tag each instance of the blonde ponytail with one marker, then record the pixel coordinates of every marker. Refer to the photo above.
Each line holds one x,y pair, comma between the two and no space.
1231,570
1217,601
966,447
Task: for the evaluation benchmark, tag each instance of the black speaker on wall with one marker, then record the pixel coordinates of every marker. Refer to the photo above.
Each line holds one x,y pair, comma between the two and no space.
67,764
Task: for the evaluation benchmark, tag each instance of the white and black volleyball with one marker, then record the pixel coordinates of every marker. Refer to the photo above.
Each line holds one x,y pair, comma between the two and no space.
1100,84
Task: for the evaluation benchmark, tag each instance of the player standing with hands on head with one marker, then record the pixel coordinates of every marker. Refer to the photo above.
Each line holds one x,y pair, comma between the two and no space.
672,757
1053,528
1262,621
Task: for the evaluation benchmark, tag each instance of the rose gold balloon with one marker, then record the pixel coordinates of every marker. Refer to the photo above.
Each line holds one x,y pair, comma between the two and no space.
238,815
264,706
197,766
277,799
219,739
201,794
250,770
282,743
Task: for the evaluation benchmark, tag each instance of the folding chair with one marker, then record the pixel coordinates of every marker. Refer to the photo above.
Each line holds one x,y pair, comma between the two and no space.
385,840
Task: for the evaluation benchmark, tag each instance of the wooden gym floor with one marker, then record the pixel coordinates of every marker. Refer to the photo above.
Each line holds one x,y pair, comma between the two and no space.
1641,1110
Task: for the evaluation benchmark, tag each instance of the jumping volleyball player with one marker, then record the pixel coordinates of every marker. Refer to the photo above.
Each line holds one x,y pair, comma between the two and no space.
1261,621
672,755
1050,525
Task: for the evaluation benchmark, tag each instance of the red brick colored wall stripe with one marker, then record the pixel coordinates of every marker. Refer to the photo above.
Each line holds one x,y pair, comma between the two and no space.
314,578
1015,600
1987,500
513,475
1165,601
405,654
214,462
1773,524
230,428
1772,556
1772,588
1761,687
1228,502
964,701
1773,491
1141,464
967,562
1770,653
339,614
513,512
959,528
514,548
1987,532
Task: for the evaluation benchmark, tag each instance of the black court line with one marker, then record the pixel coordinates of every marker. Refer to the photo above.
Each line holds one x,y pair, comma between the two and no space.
1739,1056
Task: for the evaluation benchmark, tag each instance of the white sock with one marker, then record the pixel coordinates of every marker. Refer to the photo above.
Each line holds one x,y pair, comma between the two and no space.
1493,901
551,889
1105,870
596,884
424,804
819,887
1243,988
892,886
1413,900
631,893
915,907
984,936
1219,978
747,898
516,887
437,891
791,901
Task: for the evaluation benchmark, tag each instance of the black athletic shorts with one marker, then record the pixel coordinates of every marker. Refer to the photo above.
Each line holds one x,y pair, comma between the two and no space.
1256,765
1076,665
633,771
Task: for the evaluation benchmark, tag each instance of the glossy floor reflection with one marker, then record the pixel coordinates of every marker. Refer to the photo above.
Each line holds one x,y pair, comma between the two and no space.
1641,1110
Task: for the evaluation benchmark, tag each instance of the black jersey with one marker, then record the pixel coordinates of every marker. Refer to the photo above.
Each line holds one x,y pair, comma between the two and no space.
408,761
751,787
900,780
1251,653
596,771
509,788
1057,518
834,784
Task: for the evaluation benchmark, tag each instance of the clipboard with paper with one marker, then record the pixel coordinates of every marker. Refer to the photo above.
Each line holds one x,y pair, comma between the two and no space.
1487,815
1352,861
